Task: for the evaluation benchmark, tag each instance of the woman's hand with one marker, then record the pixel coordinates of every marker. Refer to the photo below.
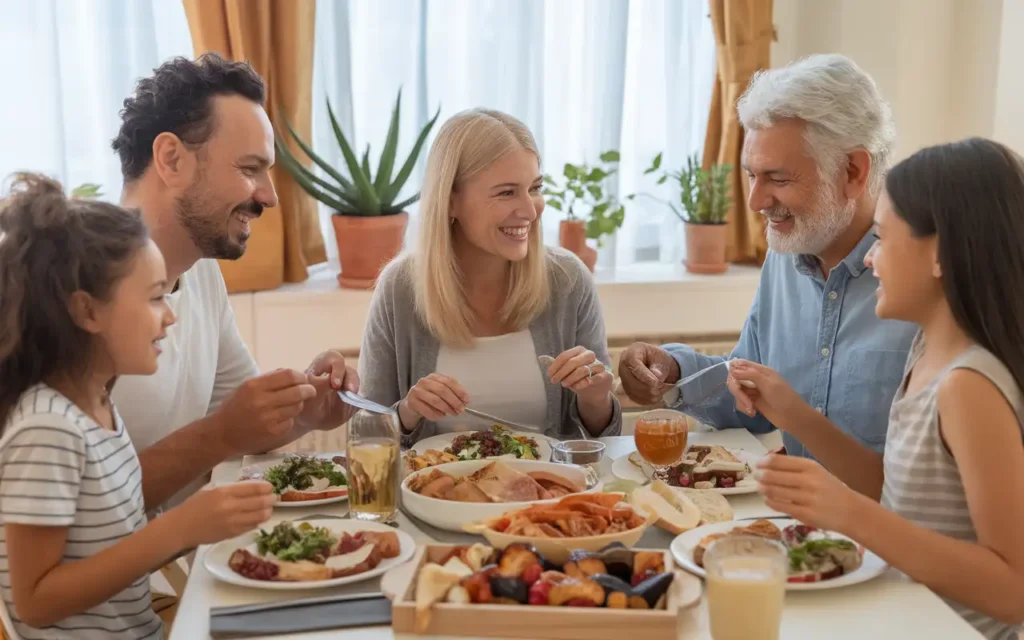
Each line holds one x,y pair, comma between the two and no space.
433,398
760,388
804,489
579,370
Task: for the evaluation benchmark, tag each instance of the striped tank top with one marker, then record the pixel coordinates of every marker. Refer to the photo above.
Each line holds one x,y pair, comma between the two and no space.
922,482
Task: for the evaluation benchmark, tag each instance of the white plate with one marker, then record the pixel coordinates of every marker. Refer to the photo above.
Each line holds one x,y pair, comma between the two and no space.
216,559
442,441
626,470
451,515
684,544
262,463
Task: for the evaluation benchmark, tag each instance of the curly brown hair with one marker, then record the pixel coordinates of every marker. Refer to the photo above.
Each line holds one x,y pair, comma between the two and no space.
50,247
178,98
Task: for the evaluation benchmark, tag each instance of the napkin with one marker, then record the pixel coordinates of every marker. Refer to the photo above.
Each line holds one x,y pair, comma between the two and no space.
296,616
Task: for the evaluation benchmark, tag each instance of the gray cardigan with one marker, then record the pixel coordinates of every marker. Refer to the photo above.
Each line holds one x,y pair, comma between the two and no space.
398,350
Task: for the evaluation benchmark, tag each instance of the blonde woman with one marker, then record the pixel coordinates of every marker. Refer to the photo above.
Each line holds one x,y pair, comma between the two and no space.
462,319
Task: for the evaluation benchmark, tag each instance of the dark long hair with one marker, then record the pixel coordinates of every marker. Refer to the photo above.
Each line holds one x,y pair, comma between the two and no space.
971,193
50,247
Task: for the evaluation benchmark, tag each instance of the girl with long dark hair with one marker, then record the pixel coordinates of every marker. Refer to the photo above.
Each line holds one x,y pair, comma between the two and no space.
945,503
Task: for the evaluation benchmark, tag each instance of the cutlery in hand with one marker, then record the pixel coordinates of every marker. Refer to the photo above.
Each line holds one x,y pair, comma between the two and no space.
359,401
698,388
508,423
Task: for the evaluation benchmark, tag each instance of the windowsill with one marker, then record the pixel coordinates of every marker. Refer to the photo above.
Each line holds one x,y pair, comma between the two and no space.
323,278
289,325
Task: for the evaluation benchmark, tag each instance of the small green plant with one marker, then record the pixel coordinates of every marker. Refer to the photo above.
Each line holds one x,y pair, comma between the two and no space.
363,192
580,191
703,195
88,191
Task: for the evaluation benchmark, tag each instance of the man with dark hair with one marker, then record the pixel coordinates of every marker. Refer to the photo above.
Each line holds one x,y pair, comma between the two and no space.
196,147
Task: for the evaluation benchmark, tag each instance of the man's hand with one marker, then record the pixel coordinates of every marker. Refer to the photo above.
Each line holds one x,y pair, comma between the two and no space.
647,372
260,414
329,374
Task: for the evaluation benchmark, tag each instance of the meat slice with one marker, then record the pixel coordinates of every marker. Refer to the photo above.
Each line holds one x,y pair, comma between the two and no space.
555,484
386,541
502,483
467,492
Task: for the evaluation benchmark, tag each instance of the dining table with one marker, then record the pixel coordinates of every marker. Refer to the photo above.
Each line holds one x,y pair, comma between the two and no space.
889,606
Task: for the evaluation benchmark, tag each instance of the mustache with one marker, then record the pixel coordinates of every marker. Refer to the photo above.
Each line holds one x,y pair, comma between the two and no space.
252,207
776,212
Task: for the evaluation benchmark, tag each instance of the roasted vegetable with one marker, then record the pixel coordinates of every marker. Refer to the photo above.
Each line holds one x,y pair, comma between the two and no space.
648,562
618,560
584,563
651,591
516,559
576,589
512,589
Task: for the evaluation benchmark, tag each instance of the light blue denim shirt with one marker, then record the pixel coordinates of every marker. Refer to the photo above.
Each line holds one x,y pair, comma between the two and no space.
823,337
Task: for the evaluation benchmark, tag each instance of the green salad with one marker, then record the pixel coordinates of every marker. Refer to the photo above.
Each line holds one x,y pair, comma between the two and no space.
499,441
299,472
292,543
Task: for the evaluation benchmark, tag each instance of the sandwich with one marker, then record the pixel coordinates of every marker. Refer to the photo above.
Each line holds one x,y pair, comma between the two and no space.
301,478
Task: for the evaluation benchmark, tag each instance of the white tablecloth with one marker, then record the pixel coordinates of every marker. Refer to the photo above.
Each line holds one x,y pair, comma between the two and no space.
887,607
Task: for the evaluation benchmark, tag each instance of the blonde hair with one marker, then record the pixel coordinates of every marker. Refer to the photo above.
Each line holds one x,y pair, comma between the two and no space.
469,142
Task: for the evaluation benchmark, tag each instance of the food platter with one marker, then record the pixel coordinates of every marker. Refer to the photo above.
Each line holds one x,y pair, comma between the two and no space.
631,467
443,441
217,559
452,514
684,545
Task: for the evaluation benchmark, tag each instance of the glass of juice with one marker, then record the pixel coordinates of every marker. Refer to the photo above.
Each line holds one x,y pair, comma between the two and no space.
661,439
746,580
374,466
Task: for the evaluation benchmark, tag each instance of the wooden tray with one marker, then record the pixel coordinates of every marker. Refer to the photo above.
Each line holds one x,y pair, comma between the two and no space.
542,623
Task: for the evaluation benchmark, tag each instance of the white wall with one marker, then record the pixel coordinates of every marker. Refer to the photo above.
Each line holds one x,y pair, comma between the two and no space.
936,61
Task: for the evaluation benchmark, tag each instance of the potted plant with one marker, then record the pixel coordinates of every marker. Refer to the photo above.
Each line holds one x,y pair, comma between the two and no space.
703,206
369,220
581,193
87,191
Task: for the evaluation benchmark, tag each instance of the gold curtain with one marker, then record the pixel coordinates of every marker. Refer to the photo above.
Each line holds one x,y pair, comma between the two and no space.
276,37
743,34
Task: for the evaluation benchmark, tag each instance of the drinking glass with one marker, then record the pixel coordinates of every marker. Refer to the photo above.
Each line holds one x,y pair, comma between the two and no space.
661,439
746,578
585,453
374,465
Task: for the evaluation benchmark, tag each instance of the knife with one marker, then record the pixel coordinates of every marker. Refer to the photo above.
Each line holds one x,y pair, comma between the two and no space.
359,401
696,389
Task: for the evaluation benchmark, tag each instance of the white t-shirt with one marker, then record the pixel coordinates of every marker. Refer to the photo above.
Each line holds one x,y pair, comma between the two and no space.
58,468
204,360
502,376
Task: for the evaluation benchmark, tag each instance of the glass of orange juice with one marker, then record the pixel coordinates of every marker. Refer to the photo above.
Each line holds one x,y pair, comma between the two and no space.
746,578
661,439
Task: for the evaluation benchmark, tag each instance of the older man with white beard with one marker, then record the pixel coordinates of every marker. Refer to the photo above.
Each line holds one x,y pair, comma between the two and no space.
818,142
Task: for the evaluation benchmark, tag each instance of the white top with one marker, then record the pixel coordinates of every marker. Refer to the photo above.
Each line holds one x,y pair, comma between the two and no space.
58,468
204,360
501,376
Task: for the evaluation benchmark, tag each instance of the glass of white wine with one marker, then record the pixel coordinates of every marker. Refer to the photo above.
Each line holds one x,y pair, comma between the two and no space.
374,466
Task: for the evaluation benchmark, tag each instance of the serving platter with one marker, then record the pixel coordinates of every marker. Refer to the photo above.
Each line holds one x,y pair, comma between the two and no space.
626,469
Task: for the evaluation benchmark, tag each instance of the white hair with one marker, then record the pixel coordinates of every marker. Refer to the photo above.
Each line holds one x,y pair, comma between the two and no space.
840,104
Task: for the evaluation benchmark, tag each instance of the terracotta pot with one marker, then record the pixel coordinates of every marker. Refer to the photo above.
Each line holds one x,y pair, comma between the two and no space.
572,235
705,248
365,245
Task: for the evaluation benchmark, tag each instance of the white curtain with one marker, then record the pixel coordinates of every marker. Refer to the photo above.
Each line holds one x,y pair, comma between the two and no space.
584,75
67,65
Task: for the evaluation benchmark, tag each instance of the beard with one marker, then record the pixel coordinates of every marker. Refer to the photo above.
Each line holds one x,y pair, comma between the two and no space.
814,229
208,230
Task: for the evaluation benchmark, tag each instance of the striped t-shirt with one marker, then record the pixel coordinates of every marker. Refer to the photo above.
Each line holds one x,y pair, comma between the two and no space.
58,468
922,482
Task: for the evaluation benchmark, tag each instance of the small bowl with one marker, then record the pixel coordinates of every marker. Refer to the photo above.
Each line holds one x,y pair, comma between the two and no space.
581,452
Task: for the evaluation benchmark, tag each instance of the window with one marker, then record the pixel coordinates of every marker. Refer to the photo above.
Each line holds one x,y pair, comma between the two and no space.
584,75
67,68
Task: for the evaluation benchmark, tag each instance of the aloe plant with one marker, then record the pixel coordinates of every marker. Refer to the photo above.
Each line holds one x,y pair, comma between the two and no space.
362,192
